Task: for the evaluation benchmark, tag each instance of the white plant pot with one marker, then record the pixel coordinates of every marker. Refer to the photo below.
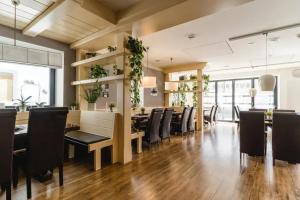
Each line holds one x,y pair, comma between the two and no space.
91,106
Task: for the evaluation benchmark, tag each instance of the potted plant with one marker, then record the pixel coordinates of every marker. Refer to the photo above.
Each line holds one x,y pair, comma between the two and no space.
23,103
143,110
193,77
40,105
91,96
90,55
98,72
205,78
111,48
74,106
182,78
111,107
117,71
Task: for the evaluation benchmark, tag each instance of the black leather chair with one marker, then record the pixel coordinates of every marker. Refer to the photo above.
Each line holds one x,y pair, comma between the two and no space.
7,124
258,109
285,137
215,114
182,125
45,139
284,110
237,114
191,120
165,124
208,119
153,125
252,133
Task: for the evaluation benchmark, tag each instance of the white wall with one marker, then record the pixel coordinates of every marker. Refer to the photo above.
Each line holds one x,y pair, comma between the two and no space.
288,85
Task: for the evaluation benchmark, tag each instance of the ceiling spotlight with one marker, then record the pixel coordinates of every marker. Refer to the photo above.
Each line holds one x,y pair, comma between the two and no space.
157,60
251,43
274,39
191,36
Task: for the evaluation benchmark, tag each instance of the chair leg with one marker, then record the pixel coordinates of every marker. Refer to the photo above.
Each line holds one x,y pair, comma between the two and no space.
15,175
28,185
61,175
8,191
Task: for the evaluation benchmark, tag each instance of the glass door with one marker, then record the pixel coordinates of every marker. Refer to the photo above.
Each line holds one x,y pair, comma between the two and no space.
241,94
264,100
224,94
209,98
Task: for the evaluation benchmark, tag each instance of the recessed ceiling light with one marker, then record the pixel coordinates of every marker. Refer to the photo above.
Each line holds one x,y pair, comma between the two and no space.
251,43
190,36
157,60
274,39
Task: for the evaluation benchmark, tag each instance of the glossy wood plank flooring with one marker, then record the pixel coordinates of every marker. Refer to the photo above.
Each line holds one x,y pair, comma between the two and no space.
202,166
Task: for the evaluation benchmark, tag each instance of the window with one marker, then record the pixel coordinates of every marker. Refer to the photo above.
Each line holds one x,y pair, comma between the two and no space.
228,93
17,79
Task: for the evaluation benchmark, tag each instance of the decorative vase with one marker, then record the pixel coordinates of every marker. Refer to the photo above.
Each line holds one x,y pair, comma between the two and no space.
91,106
22,108
111,109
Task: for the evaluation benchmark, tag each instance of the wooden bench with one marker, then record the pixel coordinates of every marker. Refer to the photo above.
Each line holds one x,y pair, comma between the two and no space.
97,130
139,137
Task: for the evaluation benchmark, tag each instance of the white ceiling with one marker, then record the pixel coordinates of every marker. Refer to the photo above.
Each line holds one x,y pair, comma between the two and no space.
212,44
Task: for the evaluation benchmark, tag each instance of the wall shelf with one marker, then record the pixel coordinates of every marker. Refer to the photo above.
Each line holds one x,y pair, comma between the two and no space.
99,80
184,81
99,58
190,91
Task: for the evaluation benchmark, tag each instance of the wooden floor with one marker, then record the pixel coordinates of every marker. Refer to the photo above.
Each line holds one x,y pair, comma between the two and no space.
202,166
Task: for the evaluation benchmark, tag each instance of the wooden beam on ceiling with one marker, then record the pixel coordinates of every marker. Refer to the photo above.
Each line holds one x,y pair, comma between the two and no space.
99,10
127,17
47,18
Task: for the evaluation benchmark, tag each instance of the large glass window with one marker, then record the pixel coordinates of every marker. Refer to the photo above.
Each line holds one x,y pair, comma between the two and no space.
228,93
25,80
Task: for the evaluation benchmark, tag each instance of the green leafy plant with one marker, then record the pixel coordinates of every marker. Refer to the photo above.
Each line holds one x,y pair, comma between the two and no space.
23,101
143,110
41,104
182,78
92,94
117,71
74,106
111,107
137,50
98,72
195,97
111,48
205,78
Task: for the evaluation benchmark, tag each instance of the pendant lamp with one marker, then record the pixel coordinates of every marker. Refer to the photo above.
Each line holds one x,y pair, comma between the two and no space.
267,81
148,81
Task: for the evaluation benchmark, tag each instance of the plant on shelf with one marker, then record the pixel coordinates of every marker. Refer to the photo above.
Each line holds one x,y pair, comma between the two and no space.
97,72
23,102
182,78
143,110
91,95
195,97
111,107
137,50
117,71
111,48
193,77
90,55
74,106
205,78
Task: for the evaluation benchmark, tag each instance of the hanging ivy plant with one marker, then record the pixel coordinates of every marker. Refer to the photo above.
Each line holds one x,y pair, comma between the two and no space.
205,78
135,61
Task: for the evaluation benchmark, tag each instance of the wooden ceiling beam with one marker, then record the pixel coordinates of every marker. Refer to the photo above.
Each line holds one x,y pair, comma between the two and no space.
99,10
47,18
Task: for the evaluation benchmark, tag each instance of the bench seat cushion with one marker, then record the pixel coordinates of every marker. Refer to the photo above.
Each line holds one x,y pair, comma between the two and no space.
84,138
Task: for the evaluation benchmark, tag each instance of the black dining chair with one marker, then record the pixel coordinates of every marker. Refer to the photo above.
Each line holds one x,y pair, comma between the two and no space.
215,114
153,125
7,124
182,125
237,114
285,137
191,120
45,144
208,119
252,133
165,124
258,109
284,110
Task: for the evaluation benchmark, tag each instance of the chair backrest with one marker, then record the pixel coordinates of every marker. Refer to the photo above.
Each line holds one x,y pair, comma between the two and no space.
7,124
252,132
284,110
152,129
98,123
215,113
211,113
285,137
238,108
258,109
237,112
191,120
165,123
46,128
184,119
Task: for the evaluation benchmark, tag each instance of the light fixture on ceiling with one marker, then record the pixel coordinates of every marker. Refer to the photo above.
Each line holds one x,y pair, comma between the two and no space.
267,81
251,43
148,81
190,36
274,39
